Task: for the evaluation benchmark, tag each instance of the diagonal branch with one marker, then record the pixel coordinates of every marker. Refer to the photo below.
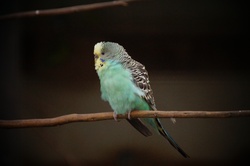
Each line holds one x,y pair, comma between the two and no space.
65,119
67,10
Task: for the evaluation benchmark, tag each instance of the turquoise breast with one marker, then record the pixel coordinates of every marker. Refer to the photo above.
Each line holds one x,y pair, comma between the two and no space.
118,88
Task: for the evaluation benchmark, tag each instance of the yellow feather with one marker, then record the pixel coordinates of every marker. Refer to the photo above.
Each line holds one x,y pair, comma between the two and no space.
98,64
98,49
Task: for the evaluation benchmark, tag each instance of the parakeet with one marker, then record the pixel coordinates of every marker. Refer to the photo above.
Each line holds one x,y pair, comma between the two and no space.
125,85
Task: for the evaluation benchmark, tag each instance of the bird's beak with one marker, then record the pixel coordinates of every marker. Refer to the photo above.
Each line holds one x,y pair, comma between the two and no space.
98,63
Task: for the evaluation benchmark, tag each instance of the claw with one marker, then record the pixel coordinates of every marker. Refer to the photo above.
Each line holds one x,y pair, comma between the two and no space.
173,120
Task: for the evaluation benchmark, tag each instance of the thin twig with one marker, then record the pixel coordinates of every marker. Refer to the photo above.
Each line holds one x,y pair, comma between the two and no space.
65,119
67,10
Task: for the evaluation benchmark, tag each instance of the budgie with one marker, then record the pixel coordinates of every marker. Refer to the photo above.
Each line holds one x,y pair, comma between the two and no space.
125,85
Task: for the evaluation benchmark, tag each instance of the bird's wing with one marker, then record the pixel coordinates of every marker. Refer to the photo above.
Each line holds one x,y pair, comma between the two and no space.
141,79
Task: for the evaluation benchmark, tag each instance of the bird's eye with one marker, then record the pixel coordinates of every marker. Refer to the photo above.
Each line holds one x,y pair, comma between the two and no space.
102,53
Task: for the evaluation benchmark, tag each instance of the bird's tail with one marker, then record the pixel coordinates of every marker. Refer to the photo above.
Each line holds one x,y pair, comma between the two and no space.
166,135
138,125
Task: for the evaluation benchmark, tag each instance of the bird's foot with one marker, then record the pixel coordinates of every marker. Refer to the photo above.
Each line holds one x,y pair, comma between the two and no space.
129,116
173,120
115,116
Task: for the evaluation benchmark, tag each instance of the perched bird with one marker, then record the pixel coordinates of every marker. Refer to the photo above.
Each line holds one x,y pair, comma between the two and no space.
125,85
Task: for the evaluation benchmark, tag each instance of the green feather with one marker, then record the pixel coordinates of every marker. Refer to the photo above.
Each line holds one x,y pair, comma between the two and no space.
118,88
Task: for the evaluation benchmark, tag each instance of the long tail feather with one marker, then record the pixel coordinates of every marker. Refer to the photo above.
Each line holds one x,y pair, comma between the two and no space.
138,125
166,135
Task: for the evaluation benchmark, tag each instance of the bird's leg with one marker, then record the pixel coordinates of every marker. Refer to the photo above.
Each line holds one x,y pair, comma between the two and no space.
115,116
129,116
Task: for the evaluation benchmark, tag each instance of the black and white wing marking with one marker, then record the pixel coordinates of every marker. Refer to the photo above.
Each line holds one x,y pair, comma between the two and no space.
141,79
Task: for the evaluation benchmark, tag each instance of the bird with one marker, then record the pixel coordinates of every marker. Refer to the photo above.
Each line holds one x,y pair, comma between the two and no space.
124,83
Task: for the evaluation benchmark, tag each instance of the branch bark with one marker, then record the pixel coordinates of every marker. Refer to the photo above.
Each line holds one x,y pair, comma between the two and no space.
65,119
67,10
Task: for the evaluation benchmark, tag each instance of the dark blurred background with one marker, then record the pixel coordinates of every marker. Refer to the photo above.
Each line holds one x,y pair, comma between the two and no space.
196,53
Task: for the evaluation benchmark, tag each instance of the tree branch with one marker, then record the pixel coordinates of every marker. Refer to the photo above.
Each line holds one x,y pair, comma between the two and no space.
65,119
67,10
